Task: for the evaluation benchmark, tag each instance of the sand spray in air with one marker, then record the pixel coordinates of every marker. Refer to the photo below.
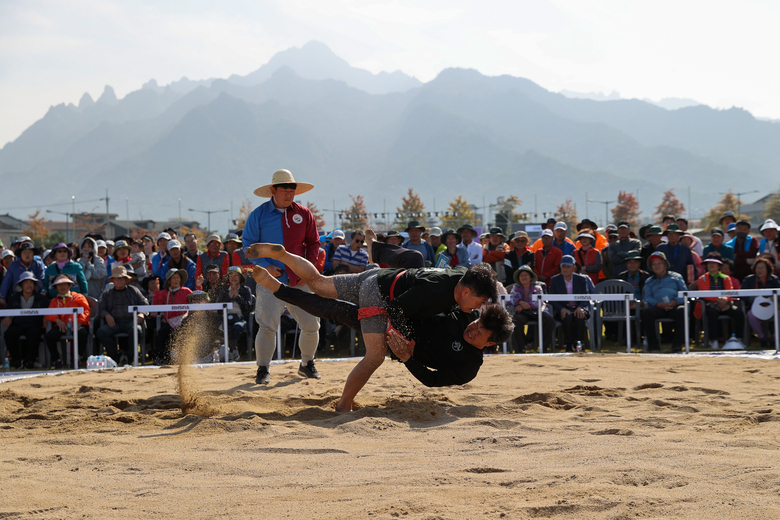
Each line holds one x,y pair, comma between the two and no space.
187,343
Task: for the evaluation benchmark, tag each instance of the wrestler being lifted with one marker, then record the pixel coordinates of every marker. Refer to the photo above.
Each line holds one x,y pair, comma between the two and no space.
397,294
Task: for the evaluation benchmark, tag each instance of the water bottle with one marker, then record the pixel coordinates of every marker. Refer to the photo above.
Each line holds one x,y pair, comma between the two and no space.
215,356
579,346
6,365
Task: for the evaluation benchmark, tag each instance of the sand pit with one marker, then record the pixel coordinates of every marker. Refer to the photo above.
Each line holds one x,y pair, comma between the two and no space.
532,437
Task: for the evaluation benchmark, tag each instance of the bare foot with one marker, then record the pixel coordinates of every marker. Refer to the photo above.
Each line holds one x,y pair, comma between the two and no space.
342,407
264,278
370,239
275,251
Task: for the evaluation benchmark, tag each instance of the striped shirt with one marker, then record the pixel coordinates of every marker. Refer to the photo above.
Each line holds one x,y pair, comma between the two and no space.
357,258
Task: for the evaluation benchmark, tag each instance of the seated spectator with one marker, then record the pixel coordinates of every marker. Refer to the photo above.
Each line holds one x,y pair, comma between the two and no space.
338,238
495,251
110,248
717,245
561,241
484,240
770,243
714,280
467,235
64,265
149,285
394,238
213,284
149,250
212,255
138,259
24,296
122,252
676,254
235,254
203,327
47,258
660,301
696,245
620,248
728,268
415,230
687,240
607,273
243,304
118,319
452,255
550,224
8,257
591,227
518,255
573,314
25,263
158,259
587,257
354,255
760,314
177,260
173,293
731,231
527,311
634,275
745,250
547,259
93,266
727,219
65,298
435,239
191,241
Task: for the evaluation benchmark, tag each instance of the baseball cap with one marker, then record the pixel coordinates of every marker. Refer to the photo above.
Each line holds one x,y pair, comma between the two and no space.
435,232
174,244
338,234
567,260
547,233
561,225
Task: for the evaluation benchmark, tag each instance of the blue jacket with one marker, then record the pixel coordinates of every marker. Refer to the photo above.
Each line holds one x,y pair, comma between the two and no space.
581,284
424,248
725,251
655,288
165,267
15,270
679,264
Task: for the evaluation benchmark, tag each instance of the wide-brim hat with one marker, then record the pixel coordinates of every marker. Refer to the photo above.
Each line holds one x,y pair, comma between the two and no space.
62,245
171,272
525,269
119,271
235,269
658,254
392,233
62,278
634,254
453,233
198,297
283,177
520,234
497,231
27,275
654,230
586,221
726,215
468,227
673,228
121,244
212,238
768,224
585,234
233,237
414,224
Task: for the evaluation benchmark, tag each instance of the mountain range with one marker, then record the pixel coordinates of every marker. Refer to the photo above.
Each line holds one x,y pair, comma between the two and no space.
350,132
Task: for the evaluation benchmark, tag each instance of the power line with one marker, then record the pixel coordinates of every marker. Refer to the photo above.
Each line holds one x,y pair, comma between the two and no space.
36,206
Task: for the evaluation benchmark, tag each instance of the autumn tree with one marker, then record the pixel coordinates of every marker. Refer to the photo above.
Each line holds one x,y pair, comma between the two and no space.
505,211
53,238
319,218
566,212
729,202
137,233
355,216
412,208
627,209
772,207
36,228
243,213
458,213
670,205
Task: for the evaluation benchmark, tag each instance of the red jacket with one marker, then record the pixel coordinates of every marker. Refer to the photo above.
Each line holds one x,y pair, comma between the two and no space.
165,297
548,265
73,299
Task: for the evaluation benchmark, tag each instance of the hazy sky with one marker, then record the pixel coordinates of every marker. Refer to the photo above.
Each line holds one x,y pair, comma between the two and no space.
52,51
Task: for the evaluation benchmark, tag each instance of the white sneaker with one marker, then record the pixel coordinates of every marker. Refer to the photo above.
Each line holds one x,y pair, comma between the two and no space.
714,345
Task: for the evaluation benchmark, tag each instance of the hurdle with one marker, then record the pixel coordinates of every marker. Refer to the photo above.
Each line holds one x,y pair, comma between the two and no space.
10,313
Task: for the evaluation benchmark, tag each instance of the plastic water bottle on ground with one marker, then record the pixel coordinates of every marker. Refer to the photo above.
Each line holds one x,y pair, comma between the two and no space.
6,365
579,346
215,356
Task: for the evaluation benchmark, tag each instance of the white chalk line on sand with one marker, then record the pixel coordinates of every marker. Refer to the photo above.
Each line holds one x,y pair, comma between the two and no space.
752,354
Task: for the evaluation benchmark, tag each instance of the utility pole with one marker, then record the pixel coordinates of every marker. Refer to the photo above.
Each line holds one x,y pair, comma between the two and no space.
108,222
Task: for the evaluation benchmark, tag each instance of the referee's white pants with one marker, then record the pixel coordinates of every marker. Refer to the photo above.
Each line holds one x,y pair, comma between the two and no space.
268,313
